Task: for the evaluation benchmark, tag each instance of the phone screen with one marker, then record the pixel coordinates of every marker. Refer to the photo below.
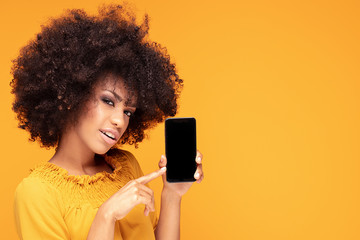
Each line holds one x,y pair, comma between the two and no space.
180,144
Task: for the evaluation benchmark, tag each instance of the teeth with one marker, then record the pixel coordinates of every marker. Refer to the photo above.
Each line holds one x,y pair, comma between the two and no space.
110,135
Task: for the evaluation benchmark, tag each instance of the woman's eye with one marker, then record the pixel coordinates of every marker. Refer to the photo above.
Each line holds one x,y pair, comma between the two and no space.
107,101
128,113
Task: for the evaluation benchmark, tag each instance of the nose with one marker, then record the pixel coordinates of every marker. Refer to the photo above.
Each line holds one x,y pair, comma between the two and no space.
117,119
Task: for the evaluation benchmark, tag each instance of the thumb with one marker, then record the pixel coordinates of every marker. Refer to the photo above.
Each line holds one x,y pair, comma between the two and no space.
146,211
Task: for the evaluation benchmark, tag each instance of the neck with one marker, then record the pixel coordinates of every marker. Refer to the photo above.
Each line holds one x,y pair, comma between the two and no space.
74,154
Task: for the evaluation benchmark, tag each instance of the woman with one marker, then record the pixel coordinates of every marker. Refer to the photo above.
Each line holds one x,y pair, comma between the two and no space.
84,86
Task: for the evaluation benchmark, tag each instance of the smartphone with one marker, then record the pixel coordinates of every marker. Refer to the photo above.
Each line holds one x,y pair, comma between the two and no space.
180,149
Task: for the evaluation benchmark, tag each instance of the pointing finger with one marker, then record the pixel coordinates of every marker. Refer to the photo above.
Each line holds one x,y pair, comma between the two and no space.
163,161
151,176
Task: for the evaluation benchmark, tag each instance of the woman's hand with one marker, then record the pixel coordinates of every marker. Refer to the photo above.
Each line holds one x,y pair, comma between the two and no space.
133,193
181,188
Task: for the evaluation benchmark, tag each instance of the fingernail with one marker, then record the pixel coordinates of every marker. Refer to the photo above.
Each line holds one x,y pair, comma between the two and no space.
199,159
197,175
163,169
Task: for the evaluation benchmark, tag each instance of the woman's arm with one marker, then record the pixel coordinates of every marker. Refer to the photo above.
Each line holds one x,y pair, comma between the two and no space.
103,226
168,227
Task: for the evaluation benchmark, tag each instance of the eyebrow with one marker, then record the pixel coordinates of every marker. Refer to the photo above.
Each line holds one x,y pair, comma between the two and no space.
121,99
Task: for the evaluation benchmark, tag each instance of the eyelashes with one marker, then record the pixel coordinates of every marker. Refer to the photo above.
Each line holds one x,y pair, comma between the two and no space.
108,101
112,104
129,114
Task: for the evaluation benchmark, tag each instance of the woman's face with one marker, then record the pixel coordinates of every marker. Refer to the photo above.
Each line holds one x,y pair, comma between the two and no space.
106,115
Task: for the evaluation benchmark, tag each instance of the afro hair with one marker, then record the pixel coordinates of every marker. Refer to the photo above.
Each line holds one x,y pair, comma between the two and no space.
56,72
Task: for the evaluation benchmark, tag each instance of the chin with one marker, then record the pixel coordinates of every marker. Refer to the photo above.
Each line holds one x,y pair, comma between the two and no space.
101,151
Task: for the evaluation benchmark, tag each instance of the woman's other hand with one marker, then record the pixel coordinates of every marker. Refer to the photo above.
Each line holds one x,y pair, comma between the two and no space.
180,188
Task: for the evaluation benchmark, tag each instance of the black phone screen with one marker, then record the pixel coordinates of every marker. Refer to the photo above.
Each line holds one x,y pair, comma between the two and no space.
180,144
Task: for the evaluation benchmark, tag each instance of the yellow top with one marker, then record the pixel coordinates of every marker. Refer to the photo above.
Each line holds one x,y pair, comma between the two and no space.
51,204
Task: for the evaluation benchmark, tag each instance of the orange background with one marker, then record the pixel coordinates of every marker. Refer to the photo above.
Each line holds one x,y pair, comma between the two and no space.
274,86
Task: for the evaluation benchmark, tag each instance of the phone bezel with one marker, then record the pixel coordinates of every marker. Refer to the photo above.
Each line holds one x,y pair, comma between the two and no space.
167,121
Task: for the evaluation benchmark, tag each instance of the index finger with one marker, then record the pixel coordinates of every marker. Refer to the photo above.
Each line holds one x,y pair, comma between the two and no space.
151,176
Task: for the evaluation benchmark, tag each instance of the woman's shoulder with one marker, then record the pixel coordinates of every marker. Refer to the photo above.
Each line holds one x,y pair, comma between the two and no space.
40,180
36,181
45,174
34,188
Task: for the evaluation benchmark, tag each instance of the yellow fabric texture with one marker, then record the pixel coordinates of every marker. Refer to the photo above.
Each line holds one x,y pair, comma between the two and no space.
51,204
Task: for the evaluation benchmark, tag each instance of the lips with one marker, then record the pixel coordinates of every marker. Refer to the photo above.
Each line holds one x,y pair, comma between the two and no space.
110,135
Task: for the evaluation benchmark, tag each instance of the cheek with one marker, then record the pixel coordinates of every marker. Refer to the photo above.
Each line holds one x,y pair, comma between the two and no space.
126,125
92,118
99,113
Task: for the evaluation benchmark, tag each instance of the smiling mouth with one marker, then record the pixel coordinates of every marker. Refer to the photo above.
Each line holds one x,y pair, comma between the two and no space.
109,135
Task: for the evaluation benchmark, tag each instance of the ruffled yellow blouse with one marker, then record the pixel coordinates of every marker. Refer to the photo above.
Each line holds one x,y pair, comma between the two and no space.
51,204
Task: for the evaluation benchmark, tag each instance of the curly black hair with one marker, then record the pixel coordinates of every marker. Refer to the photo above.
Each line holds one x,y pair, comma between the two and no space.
56,72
